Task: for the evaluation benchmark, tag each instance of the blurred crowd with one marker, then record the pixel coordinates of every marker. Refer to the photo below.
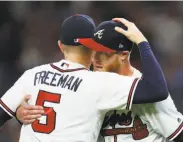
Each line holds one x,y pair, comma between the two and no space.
29,32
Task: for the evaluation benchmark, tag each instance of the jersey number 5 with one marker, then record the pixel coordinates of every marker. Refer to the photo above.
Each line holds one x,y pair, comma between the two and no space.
49,112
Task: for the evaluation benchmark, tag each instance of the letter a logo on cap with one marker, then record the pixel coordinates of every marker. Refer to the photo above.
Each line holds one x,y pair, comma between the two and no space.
121,45
99,33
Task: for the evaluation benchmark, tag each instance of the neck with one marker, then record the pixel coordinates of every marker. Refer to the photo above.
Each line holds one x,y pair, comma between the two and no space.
126,69
85,61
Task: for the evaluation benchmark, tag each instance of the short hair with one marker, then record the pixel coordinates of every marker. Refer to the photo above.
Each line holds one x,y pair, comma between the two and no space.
80,49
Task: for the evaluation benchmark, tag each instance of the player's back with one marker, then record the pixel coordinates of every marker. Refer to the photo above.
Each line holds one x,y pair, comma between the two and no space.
66,91
73,102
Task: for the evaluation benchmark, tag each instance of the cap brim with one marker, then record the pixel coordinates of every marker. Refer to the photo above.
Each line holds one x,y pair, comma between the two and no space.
90,43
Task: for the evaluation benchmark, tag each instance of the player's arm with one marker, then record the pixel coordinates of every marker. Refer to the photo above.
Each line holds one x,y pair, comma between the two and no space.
3,117
153,81
152,87
165,119
10,101
26,113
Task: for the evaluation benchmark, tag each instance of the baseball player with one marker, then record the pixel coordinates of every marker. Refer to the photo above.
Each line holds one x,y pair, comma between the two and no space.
145,122
74,99
154,122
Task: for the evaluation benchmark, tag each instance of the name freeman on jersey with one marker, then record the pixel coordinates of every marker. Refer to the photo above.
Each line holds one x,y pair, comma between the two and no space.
56,80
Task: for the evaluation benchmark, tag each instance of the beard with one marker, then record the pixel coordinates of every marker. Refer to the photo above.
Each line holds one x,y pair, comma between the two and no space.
112,66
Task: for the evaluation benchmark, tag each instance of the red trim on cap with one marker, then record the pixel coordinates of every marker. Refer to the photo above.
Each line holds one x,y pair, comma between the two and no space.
90,43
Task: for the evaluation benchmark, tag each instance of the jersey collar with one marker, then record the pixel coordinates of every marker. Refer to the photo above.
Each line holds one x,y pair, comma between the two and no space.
67,66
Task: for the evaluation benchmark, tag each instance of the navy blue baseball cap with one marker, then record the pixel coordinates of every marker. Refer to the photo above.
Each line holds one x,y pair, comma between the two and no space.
106,39
77,27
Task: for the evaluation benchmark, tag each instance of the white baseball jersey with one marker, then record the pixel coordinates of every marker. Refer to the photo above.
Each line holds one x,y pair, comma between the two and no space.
75,101
154,122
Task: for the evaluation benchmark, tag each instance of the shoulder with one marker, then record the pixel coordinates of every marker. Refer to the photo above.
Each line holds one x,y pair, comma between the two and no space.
38,68
111,78
137,73
31,72
106,76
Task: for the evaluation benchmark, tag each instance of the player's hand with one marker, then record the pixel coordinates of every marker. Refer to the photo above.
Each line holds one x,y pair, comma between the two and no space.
26,113
132,33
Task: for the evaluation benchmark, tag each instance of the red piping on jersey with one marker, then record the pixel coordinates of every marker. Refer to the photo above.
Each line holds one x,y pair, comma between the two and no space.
69,70
7,108
176,132
115,138
131,93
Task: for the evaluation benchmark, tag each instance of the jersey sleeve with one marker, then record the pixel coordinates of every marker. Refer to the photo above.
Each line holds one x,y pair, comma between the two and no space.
118,92
10,101
165,119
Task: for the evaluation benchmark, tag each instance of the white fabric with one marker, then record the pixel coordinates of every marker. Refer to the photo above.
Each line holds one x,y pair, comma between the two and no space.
79,113
159,121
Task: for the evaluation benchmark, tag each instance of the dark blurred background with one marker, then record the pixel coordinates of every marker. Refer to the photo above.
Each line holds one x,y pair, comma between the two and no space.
29,32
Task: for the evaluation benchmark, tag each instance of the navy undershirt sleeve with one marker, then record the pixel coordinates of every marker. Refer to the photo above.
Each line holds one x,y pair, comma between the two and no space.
3,117
179,138
152,87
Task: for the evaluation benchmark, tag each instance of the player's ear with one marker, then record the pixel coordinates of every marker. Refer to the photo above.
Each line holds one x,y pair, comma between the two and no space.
93,54
60,45
124,55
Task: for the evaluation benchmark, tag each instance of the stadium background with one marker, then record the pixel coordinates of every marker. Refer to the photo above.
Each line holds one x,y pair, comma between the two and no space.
29,32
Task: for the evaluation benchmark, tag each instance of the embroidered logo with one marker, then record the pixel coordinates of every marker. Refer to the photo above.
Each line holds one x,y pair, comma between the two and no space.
121,45
99,33
138,130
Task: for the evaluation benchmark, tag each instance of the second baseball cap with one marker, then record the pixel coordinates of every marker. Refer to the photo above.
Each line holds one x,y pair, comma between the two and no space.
106,39
78,26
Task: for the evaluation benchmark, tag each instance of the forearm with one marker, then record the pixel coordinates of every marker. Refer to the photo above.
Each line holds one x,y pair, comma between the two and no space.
3,117
152,87
17,116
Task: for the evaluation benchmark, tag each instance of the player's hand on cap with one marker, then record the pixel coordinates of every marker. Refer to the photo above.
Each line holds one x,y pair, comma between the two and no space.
132,33
26,113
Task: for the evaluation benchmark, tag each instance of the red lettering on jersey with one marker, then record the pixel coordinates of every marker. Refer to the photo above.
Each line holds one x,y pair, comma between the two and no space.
49,112
139,130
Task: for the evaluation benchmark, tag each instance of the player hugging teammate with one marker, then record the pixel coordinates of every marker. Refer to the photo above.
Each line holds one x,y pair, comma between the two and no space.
131,106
